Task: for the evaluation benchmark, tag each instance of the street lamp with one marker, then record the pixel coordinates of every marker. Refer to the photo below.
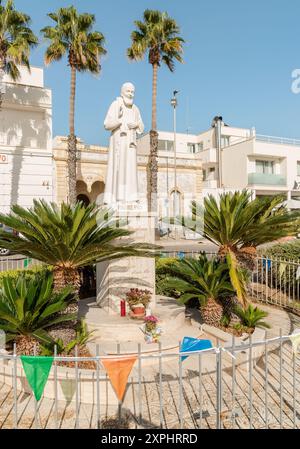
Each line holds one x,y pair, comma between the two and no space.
174,104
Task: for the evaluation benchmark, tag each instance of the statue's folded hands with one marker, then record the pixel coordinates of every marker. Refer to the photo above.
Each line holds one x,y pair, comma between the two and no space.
133,125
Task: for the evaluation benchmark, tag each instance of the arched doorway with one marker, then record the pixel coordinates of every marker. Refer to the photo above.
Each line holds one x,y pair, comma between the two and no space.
83,198
97,192
82,192
176,203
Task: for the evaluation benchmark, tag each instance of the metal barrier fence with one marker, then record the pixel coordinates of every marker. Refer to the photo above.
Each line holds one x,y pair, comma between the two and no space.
273,280
250,385
254,384
277,281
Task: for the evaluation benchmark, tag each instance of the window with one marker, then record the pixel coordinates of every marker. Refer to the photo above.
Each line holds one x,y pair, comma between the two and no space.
165,145
204,175
191,148
265,167
298,168
195,147
211,173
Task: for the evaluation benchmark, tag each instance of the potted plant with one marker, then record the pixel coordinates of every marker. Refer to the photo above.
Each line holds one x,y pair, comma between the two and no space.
151,330
138,300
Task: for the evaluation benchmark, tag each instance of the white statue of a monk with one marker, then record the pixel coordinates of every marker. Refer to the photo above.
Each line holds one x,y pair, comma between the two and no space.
124,121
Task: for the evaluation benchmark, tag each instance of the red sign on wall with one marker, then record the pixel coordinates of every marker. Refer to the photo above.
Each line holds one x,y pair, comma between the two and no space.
3,159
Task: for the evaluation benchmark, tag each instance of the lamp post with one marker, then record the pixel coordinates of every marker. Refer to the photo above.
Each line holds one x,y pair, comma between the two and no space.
174,104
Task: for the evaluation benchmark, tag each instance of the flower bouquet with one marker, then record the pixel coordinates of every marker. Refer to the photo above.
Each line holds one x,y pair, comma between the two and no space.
151,330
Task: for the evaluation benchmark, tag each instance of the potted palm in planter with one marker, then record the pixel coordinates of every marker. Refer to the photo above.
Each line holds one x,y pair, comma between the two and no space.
138,300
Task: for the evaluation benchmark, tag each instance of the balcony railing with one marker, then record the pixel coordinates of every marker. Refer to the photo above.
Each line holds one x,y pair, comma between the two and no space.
277,140
266,179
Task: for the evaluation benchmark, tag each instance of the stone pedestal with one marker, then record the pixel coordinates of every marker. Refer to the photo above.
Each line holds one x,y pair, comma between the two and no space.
116,277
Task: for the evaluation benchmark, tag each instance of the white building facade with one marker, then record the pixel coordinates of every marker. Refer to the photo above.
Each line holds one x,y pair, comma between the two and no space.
92,167
26,163
237,158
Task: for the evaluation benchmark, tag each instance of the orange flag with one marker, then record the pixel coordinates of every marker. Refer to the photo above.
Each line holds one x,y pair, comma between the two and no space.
118,371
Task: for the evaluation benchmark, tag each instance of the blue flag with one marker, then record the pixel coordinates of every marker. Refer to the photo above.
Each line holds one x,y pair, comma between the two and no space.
267,263
189,344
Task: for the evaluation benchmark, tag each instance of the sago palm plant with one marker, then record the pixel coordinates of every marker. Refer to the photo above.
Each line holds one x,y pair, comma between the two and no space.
252,317
29,307
16,41
157,35
206,280
68,237
73,35
238,225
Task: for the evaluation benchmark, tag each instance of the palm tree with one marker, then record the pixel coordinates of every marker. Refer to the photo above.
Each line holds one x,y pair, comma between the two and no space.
68,238
73,35
157,35
238,226
16,41
208,281
29,308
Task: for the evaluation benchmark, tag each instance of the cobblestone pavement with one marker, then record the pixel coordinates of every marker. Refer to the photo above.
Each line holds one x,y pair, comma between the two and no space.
248,398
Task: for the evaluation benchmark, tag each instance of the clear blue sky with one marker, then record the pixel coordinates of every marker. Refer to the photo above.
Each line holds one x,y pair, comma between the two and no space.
238,62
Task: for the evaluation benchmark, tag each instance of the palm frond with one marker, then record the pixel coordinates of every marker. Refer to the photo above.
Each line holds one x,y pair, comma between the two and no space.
69,236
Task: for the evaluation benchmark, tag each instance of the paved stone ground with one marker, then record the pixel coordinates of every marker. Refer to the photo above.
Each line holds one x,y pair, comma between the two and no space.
256,397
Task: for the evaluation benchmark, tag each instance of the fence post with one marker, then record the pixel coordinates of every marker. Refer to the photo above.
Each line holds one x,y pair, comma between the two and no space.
219,384
15,387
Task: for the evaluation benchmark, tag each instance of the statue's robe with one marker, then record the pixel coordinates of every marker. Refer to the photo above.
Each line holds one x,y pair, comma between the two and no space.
121,185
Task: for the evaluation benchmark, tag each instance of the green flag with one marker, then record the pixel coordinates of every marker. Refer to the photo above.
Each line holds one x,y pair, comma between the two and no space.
37,371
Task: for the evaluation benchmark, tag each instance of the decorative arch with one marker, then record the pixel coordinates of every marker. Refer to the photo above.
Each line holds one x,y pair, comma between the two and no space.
176,202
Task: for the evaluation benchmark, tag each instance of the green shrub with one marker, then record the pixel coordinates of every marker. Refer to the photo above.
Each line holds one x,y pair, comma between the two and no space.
278,268
286,251
162,270
252,317
29,273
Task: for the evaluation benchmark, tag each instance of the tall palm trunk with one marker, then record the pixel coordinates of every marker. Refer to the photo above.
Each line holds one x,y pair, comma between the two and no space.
152,167
154,97
72,141
63,277
2,73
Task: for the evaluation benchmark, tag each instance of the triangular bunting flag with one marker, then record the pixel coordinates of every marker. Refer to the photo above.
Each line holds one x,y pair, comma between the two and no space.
118,371
189,344
68,387
282,268
37,371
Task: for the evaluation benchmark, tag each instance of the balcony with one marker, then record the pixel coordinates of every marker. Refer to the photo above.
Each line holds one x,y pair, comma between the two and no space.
208,156
266,179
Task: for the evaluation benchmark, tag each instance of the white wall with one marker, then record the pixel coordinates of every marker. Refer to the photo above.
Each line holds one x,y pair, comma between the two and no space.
234,164
287,157
33,78
26,163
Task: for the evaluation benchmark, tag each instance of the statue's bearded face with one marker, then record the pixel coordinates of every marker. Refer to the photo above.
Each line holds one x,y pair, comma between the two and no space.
127,93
